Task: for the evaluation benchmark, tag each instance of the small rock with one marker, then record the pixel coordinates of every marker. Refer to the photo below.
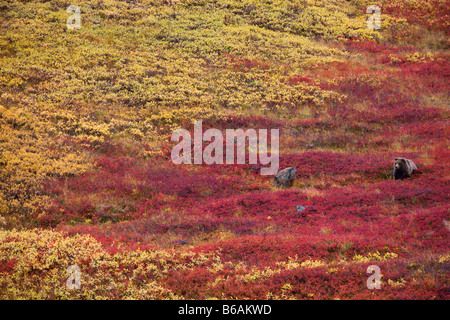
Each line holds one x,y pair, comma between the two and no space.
180,242
420,192
285,178
300,208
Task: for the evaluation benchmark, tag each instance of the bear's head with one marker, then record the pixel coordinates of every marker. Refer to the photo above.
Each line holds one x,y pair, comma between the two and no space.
400,163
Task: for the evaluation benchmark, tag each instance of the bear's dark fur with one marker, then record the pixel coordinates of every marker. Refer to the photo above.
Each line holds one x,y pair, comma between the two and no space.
403,168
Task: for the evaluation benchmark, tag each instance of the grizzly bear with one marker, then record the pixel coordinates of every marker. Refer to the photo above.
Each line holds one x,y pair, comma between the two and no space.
403,168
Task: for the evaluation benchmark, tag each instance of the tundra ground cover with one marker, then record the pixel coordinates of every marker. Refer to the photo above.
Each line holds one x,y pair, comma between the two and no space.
86,177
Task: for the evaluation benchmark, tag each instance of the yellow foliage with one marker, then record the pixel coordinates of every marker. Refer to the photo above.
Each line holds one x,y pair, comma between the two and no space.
377,256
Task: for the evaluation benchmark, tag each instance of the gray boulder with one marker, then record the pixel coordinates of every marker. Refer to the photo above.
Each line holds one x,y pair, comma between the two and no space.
285,178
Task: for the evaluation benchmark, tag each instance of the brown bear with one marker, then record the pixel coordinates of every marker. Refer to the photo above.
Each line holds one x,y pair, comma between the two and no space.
403,168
